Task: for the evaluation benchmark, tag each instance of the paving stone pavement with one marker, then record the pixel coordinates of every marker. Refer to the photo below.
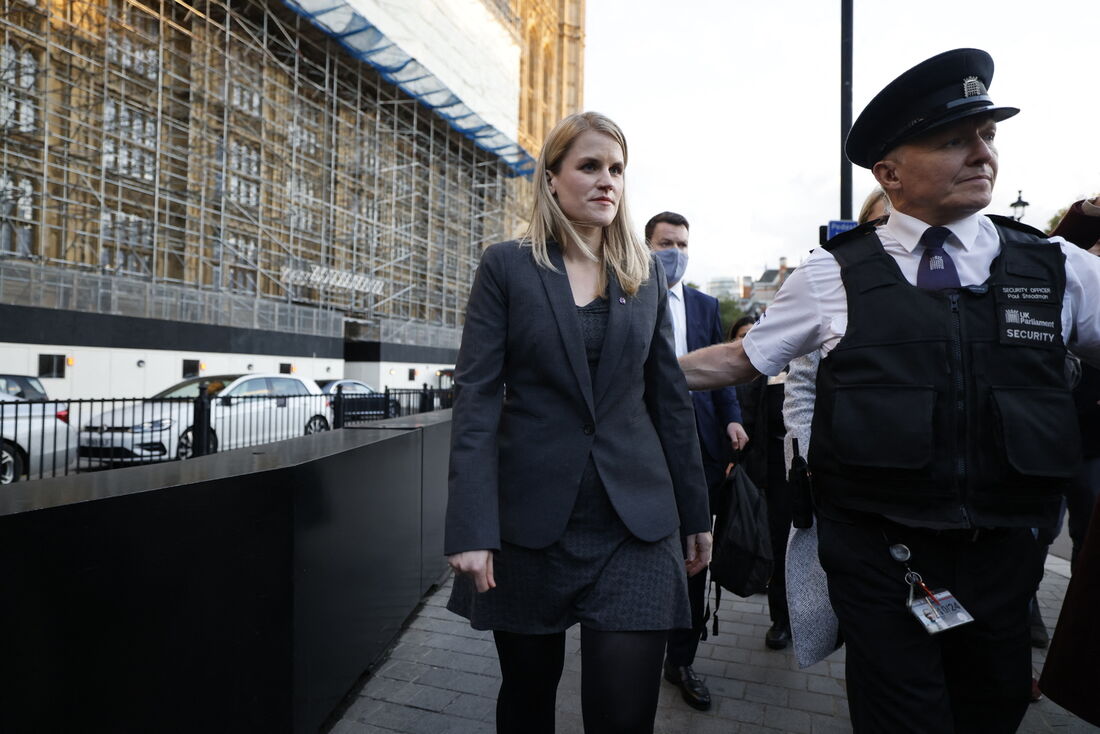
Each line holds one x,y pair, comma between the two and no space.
441,677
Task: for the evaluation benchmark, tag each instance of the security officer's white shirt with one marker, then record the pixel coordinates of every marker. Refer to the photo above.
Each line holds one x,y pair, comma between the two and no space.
811,309
679,317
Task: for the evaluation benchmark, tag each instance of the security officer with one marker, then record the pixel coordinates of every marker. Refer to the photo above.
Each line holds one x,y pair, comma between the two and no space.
943,429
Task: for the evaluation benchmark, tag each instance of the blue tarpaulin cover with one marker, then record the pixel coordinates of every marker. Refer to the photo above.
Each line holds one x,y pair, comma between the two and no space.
364,41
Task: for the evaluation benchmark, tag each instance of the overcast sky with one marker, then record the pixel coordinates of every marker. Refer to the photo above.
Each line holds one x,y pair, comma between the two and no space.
731,108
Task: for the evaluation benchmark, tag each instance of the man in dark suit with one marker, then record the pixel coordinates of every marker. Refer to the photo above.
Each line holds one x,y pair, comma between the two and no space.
696,324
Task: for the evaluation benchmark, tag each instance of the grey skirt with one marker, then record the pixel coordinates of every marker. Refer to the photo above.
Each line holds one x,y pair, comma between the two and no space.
597,574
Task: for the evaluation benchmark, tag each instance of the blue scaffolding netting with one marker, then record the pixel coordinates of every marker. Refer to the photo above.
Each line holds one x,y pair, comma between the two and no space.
364,41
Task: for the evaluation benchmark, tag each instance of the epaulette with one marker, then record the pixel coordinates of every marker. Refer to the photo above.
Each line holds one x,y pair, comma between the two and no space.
1010,223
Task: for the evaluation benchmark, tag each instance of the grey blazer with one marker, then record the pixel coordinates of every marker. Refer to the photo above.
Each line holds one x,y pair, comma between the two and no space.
527,416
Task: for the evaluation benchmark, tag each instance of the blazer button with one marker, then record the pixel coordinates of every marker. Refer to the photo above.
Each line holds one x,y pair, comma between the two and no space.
589,429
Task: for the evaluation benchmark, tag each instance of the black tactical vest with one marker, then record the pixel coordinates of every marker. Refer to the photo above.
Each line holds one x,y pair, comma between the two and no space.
937,405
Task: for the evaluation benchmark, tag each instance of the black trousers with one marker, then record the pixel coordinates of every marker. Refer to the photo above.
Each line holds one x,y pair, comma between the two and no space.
683,643
778,497
974,678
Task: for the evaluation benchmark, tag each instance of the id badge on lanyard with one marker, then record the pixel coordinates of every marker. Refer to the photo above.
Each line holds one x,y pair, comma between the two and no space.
935,609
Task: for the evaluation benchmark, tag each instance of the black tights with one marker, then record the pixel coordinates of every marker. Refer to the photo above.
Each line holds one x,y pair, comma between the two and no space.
620,681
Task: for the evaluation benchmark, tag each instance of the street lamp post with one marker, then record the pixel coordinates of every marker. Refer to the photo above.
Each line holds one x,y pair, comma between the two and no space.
1019,206
845,106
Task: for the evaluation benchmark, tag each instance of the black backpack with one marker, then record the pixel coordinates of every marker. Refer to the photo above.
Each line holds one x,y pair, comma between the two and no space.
741,561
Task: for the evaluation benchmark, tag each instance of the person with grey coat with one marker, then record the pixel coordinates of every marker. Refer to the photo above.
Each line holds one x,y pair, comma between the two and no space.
575,463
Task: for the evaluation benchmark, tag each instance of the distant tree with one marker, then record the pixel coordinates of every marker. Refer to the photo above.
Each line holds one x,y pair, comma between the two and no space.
730,312
1057,218
689,284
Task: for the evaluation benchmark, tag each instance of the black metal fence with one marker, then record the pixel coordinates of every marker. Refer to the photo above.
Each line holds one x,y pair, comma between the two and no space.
393,403
47,438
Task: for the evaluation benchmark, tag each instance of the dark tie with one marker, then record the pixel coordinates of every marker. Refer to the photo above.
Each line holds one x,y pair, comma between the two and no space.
937,269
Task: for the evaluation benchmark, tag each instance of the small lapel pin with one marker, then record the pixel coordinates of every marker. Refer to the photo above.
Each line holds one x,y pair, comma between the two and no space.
622,300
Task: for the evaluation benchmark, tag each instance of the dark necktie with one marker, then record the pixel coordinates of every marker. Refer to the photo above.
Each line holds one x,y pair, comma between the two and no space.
937,269
672,320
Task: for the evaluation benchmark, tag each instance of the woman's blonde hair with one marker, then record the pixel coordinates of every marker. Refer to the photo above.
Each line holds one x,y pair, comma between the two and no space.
623,251
873,198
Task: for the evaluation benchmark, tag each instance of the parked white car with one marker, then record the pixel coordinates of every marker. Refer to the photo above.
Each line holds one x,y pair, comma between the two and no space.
245,410
22,386
35,439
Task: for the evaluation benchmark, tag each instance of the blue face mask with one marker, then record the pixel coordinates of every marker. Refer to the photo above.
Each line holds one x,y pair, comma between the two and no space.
675,261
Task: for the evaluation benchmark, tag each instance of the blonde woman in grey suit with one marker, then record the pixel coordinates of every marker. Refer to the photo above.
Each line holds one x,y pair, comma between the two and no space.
575,462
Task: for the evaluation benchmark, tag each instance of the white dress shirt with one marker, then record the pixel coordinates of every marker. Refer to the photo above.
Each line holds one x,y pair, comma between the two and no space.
679,317
811,309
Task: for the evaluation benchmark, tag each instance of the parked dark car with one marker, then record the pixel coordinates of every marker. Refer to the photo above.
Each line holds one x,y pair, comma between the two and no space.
361,401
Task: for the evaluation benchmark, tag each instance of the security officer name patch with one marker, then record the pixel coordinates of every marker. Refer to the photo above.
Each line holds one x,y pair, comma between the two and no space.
1026,294
1030,325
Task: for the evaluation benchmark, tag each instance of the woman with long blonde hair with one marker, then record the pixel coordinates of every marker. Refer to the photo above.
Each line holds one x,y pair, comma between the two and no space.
574,457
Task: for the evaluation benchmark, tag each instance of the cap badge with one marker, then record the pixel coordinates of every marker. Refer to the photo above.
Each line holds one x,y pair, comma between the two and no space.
973,87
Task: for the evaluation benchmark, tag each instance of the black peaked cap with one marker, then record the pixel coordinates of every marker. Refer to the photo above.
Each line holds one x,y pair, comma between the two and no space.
935,92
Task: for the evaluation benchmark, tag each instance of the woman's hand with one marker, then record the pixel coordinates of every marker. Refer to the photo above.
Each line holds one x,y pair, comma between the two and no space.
698,552
479,565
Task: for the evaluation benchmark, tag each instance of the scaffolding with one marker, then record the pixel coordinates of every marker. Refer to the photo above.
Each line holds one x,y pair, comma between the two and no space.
232,151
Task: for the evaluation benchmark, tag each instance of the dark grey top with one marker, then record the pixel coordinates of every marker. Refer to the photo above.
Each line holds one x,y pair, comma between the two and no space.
593,328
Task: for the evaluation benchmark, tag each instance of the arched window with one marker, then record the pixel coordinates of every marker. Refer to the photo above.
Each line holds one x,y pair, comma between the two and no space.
8,97
243,163
7,64
7,108
240,255
24,209
26,115
127,243
130,141
28,69
16,214
7,194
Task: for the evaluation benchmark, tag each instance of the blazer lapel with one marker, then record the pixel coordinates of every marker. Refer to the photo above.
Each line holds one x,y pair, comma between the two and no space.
618,328
565,313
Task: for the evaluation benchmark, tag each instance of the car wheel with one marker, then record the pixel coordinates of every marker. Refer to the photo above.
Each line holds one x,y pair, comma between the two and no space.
11,463
187,440
316,424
